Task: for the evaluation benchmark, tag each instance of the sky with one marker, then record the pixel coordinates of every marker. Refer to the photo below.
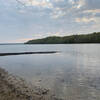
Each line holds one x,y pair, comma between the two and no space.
22,20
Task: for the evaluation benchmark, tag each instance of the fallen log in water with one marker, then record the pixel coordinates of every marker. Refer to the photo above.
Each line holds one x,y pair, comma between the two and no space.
22,53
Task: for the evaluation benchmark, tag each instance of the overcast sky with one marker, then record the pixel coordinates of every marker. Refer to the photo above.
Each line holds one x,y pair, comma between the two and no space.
21,20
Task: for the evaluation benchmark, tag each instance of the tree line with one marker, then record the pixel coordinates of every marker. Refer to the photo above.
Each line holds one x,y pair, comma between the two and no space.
82,38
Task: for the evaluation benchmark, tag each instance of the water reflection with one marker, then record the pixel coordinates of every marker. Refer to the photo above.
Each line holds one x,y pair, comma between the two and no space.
73,74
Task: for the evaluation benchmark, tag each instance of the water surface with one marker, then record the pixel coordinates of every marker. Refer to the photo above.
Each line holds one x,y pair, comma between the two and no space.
71,74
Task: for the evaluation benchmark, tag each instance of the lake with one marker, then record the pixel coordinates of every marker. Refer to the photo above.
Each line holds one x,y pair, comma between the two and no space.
72,74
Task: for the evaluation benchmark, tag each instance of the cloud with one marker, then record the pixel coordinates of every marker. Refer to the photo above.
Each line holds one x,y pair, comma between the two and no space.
81,3
57,13
58,0
93,4
77,3
92,11
23,39
29,18
39,3
85,20
71,1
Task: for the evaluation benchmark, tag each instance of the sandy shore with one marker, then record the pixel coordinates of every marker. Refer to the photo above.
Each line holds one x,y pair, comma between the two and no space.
15,88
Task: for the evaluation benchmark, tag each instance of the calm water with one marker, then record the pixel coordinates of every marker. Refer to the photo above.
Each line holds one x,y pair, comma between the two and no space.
72,74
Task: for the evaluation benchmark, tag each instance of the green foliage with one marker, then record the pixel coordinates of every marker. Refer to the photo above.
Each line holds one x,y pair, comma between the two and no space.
86,38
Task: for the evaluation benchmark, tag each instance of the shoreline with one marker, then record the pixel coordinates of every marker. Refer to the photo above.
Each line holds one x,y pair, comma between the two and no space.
15,88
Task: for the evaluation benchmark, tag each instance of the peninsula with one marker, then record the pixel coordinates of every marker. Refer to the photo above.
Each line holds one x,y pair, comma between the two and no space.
82,38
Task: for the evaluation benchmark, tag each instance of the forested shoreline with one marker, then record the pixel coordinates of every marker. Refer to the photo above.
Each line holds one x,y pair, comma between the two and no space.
82,38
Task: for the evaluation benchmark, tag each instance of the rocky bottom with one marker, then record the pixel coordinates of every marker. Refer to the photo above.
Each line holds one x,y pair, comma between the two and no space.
15,88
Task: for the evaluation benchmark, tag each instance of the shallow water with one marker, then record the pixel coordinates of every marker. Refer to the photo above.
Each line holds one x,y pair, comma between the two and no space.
71,74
